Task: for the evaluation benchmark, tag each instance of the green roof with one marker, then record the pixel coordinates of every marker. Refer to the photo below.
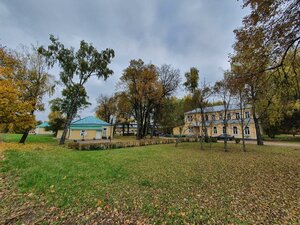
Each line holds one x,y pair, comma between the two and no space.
45,124
88,123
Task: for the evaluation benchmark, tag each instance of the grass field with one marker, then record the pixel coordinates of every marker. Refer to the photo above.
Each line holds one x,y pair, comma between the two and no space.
15,138
284,138
45,183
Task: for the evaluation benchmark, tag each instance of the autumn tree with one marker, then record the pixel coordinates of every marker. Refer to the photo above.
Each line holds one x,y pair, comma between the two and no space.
223,89
106,107
77,67
169,79
124,112
277,23
200,94
171,114
39,81
56,121
140,82
15,109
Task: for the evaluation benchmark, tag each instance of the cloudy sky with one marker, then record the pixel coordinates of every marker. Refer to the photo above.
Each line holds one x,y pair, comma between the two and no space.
183,33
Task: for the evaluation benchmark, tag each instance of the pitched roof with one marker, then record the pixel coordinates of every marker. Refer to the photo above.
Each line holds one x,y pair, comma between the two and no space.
90,120
45,124
217,108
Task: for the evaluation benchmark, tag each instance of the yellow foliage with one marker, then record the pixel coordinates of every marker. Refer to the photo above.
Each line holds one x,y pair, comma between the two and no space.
15,112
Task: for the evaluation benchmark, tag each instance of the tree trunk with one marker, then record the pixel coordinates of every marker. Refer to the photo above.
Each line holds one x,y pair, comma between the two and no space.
64,134
24,136
259,139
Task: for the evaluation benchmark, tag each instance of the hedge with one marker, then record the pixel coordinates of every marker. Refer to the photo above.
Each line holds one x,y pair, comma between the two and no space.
115,145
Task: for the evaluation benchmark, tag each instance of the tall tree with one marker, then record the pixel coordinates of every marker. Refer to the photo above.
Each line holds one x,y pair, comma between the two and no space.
56,121
277,23
200,94
222,88
124,113
106,107
140,83
76,69
169,78
14,107
40,82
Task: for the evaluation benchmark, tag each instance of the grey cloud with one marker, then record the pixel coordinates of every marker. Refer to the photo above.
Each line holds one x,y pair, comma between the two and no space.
181,33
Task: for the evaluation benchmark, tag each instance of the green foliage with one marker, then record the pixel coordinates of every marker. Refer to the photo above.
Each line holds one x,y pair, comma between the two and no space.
192,79
56,121
76,69
237,140
107,107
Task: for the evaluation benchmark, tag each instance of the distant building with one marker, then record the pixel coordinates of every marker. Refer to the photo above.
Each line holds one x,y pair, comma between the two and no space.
89,128
214,122
126,129
42,129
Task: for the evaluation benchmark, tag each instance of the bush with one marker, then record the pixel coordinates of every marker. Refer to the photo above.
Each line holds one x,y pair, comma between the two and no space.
213,139
237,140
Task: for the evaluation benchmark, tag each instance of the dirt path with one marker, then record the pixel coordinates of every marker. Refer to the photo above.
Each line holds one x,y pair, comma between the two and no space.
278,143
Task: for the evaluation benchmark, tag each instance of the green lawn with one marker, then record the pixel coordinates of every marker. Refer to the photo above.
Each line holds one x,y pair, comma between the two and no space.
152,184
42,138
284,138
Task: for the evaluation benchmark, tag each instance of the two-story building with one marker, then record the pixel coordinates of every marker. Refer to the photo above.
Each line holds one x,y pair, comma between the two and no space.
214,117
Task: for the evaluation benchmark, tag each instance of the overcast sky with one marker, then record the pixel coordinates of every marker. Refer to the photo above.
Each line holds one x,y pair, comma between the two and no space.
183,33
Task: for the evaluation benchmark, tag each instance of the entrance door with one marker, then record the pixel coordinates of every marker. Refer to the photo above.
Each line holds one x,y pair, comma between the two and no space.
98,134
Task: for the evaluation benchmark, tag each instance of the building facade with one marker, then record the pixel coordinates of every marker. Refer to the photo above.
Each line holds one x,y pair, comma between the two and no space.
42,129
88,128
215,122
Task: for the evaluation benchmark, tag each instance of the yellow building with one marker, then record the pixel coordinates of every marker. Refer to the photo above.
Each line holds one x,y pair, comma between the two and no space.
214,122
42,129
88,128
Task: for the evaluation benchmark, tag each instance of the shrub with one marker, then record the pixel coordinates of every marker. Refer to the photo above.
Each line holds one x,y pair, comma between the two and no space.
237,140
213,139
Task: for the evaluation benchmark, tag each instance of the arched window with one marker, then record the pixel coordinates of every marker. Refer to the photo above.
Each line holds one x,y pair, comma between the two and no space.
247,131
235,130
215,130
224,130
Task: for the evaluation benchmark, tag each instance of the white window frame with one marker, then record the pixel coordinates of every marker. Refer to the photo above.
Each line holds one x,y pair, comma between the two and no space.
215,130
224,129
220,116
247,130
237,116
235,130
247,114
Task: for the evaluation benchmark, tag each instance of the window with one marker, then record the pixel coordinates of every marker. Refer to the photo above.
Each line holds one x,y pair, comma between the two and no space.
220,116
235,130
215,130
190,130
247,131
237,116
224,130
189,118
213,117
206,117
247,115
228,116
